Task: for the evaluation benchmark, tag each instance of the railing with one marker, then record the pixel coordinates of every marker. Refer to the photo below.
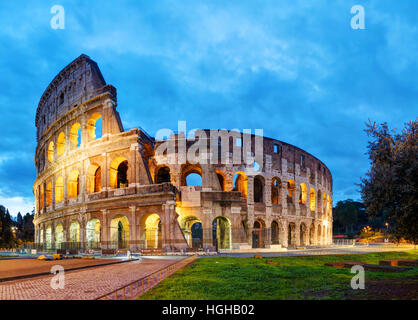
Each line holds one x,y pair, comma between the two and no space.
344,242
137,288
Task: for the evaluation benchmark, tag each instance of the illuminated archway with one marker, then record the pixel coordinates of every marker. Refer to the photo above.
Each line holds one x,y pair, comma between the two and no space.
51,151
290,190
41,196
303,193
192,230
73,184
162,175
94,178
94,126
93,233
221,233
48,192
275,233
275,190
75,135
74,232
59,189
312,200
240,183
59,235
119,231
259,189
48,237
119,173
153,231
61,144
258,234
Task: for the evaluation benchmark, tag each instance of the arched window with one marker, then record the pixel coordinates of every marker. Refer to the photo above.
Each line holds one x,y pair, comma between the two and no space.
303,193
48,192
221,180
95,126
240,183
259,189
98,180
51,151
163,175
275,190
290,190
61,144
59,189
123,174
312,199
75,135
119,173
74,184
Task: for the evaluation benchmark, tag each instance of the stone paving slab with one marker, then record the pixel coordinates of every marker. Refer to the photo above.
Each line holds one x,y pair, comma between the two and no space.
85,284
27,267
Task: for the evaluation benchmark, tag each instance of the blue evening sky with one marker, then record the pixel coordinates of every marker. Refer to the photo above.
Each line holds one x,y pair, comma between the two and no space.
295,69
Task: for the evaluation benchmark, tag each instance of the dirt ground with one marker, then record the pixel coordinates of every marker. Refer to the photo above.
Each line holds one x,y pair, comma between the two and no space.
24,267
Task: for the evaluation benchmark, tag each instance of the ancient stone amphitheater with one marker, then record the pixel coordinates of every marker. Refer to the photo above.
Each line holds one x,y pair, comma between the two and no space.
99,186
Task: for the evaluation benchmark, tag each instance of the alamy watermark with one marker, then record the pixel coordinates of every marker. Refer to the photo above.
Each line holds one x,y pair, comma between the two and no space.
357,282
358,21
58,20
58,280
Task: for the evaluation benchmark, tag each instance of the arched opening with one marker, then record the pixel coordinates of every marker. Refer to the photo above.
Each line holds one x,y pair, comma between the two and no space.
192,230
94,178
275,190
59,189
119,232
41,197
221,180
290,191
94,126
163,175
74,184
48,237
93,233
51,151
153,231
291,234
312,200
312,235
193,180
240,183
303,234
258,234
59,236
74,233
258,189
61,144
318,237
119,173
75,135
48,192
221,233
303,193
275,235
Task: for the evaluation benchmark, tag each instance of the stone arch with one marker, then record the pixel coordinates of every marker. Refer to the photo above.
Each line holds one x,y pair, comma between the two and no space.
75,135
51,151
151,230
74,184
275,233
221,232
303,193
59,189
312,200
93,233
59,236
74,232
162,174
221,178
94,178
92,126
290,191
188,170
119,231
312,234
291,234
259,234
258,189
276,184
48,237
48,191
192,228
119,173
61,144
41,196
303,233
240,183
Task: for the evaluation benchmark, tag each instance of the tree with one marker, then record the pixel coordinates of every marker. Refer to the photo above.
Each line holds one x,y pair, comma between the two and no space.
390,188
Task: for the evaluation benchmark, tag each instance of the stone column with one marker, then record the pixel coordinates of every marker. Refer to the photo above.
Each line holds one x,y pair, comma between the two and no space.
297,234
283,197
132,232
284,233
105,230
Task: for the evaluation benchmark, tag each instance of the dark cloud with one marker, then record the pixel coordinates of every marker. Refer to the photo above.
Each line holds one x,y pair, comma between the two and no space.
293,68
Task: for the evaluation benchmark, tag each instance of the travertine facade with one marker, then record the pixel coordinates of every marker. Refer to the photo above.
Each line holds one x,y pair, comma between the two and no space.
113,190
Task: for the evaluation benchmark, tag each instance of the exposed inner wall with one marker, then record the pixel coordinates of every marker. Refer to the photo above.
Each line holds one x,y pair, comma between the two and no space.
114,190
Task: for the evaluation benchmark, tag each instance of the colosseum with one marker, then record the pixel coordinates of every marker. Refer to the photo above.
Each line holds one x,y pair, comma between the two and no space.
101,187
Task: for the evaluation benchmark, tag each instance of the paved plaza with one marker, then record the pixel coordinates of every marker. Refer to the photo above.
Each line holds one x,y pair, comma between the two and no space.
84,284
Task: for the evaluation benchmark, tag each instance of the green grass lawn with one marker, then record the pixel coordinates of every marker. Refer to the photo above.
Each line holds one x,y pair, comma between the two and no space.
292,278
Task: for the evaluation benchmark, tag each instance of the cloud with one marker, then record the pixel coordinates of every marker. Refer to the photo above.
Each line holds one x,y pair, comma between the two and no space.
293,68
